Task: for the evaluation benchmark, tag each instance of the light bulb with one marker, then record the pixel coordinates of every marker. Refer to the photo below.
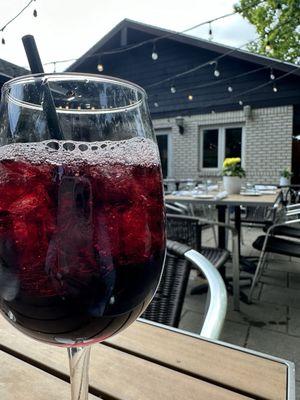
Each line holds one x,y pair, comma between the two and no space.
216,73
210,35
268,47
272,76
275,89
173,89
3,41
154,55
35,13
156,104
190,97
240,102
100,67
229,89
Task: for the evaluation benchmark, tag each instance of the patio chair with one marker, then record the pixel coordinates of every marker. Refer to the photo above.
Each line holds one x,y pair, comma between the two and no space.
273,242
177,208
166,306
188,230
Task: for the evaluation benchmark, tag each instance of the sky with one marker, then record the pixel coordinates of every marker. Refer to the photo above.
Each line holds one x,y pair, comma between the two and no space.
65,29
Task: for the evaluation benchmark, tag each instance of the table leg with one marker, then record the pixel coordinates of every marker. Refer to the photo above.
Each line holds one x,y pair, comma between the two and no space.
237,224
221,230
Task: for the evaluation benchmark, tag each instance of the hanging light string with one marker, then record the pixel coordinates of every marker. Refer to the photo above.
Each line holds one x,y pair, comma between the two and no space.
226,80
209,62
200,66
242,94
154,41
16,16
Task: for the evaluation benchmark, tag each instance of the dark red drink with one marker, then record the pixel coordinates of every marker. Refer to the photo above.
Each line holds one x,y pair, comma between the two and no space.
81,236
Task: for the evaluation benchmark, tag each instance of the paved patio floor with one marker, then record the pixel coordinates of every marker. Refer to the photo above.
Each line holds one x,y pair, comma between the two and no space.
272,323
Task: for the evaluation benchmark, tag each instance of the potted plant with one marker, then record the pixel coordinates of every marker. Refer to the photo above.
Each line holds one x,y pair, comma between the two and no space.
232,175
285,177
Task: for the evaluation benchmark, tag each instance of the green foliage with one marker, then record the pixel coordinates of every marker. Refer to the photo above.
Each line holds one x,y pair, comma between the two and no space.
286,173
277,23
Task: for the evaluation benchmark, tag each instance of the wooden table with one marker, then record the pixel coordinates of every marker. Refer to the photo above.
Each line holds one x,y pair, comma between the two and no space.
145,362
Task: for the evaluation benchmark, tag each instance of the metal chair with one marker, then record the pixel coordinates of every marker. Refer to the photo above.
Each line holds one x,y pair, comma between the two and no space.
188,230
273,242
166,306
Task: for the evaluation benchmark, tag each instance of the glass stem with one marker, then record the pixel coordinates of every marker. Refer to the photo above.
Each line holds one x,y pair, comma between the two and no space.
79,358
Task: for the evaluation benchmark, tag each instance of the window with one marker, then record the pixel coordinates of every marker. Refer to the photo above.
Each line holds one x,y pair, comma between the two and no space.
210,148
219,143
233,142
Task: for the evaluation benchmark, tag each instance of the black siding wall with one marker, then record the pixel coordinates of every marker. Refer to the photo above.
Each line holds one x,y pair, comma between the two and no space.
137,65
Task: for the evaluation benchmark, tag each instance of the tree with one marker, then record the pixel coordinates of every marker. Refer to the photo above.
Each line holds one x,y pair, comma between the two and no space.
277,23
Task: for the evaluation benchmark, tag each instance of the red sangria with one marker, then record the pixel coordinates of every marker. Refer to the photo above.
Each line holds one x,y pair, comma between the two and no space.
81,235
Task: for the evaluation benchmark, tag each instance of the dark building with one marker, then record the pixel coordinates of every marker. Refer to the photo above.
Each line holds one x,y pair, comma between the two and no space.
9,70
232,102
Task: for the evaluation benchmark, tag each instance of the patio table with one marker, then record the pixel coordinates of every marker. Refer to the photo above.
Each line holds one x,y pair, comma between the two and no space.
144,362
232,200
222,205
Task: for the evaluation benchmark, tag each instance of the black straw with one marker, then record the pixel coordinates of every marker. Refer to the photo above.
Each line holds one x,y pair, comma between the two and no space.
36,67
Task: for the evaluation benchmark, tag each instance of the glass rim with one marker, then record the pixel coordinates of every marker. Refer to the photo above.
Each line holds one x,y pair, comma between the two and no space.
73,76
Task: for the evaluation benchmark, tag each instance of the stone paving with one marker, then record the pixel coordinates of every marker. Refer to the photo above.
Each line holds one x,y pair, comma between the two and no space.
272,323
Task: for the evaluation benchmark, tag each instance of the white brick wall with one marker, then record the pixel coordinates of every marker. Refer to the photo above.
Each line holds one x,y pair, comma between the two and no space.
268,142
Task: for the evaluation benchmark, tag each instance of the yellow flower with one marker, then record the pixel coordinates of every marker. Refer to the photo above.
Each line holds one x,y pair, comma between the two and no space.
231,161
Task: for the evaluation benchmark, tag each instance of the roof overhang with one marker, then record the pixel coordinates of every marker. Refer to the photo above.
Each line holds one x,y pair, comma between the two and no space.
160,33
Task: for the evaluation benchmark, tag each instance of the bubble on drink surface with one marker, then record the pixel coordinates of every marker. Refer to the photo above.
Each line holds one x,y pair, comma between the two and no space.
136,151
83,147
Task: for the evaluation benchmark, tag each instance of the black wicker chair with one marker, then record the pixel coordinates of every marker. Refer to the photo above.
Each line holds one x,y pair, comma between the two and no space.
186,229
166,306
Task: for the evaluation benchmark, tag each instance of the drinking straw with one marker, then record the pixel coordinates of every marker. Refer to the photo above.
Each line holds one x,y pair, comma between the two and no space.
48,103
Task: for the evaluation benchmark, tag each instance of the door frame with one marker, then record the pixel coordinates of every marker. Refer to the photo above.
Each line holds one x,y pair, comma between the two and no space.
160,132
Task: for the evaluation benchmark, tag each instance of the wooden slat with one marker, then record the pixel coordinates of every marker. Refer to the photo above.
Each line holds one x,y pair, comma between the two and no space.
117,374
228,367
19,380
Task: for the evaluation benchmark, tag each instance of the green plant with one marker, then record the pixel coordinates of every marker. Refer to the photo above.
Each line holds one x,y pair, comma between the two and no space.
232,167
286,173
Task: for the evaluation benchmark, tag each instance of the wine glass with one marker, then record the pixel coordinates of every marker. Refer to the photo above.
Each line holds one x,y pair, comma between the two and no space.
82,237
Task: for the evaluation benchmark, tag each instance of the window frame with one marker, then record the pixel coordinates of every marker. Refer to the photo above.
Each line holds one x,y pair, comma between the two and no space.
221,145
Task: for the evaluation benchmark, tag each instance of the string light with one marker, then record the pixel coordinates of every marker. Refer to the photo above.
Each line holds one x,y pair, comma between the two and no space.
279,8
190,97
35,13
154,54
156,104
17,15
173,89
268,47
100,66
216,71
210,34
240,102
275,89
272,76
230,89
3,40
